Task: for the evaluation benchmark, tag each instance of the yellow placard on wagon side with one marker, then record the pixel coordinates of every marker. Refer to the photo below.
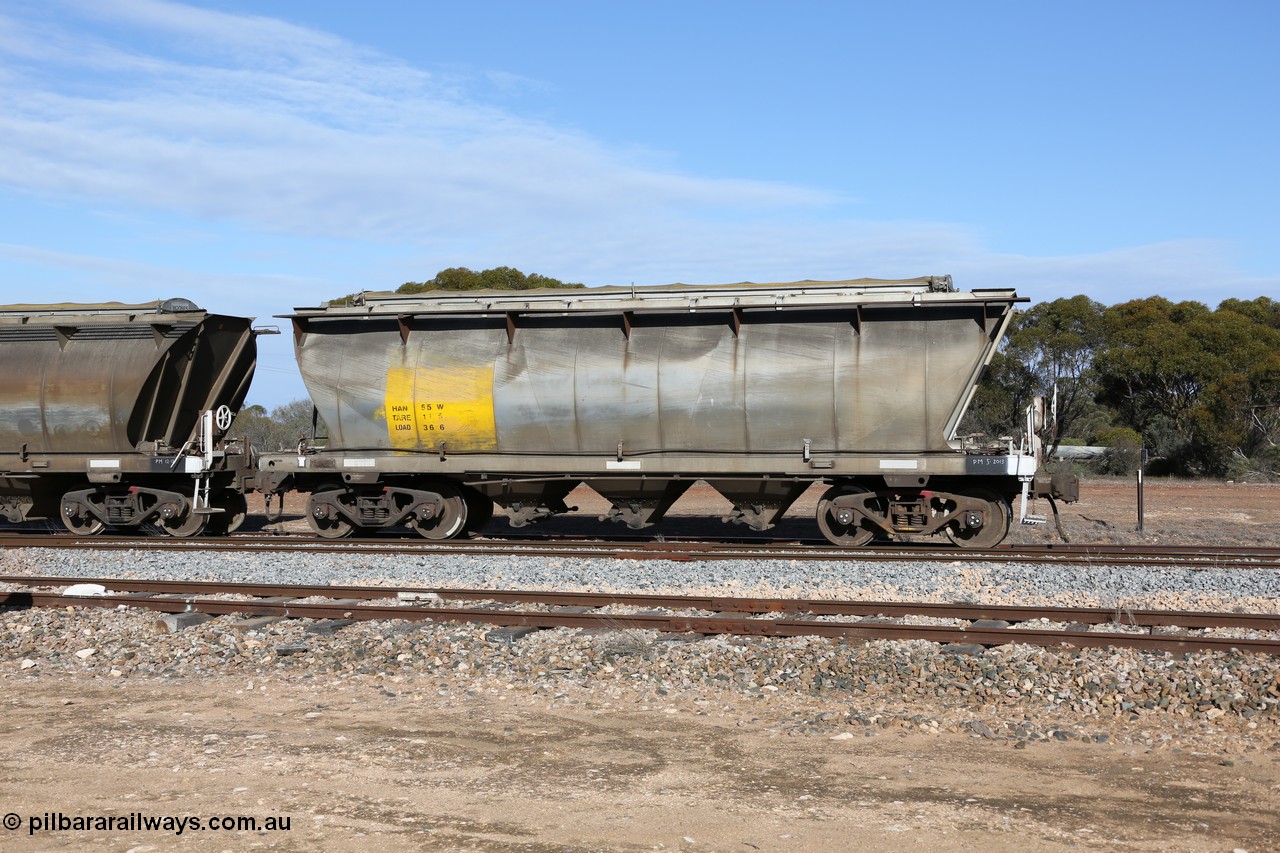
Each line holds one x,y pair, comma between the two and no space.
426,406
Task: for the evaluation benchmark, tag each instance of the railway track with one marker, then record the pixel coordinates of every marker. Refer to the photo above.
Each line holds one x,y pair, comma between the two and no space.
676,549
1154,630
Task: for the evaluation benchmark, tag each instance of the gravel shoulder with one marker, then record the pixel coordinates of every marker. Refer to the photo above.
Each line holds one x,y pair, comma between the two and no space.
356,765
440,737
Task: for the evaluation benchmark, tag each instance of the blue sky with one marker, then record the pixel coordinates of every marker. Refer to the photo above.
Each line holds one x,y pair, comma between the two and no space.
256,156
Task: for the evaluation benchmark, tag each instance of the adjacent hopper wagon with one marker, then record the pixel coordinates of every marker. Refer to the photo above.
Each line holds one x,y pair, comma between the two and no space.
438,405
112,415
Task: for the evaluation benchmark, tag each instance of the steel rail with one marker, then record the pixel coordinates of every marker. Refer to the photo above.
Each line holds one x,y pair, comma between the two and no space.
1126,556
719,603
282,602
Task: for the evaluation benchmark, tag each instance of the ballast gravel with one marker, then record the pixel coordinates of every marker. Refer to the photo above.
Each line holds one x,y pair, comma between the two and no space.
820,687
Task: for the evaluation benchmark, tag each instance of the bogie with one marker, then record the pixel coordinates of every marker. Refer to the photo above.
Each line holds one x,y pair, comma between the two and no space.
972,516
435,508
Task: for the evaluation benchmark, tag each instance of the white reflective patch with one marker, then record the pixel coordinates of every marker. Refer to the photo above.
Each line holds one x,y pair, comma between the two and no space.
104,463
358,463
626,465
902,464
85,589
1023,466
192,465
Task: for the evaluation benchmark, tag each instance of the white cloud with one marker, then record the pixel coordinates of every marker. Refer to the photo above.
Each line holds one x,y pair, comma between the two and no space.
1202,270
256,120
126,280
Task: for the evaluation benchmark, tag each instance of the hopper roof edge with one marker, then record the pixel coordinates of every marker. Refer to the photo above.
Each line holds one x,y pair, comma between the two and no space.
105,310
746,294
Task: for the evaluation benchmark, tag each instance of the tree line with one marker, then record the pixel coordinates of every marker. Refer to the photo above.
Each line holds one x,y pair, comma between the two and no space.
1199,389
462,278
276,431
498,278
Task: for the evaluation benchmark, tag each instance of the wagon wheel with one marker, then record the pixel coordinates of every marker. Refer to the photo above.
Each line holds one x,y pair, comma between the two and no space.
845,535
234,509
186,525
327,523
479,510
452,519
81,525
988,535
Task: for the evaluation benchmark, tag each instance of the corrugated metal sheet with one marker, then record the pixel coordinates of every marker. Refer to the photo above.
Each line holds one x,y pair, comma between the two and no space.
854,367
104,378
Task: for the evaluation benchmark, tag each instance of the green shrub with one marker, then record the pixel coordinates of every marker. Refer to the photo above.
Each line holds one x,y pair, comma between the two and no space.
1124,448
